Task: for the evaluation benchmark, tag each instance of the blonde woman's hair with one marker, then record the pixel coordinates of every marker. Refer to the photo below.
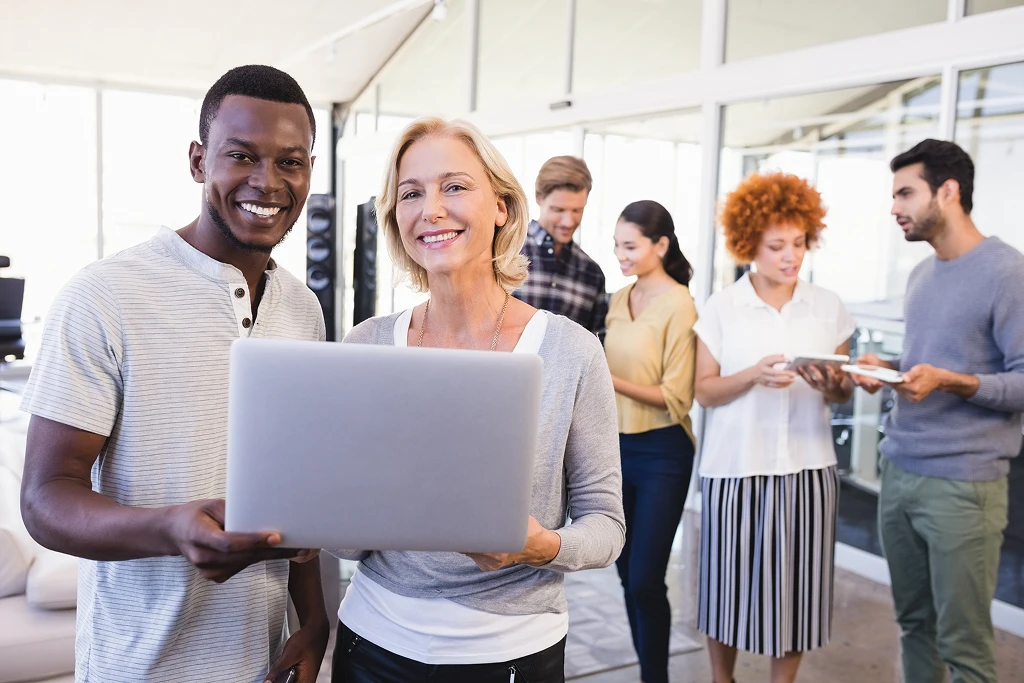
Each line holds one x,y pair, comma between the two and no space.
510,266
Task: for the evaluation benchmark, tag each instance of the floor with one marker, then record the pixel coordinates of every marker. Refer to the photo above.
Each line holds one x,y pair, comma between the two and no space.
864,645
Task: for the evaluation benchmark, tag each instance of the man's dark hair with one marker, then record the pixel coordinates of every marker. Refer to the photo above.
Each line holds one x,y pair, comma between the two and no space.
254,80
942,160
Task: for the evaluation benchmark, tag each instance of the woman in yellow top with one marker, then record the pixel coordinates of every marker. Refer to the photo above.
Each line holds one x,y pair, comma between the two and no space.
651,350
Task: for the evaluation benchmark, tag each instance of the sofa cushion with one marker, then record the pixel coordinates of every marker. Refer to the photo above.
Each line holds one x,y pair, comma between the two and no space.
52,581
10,497
10,515
14,564
34,643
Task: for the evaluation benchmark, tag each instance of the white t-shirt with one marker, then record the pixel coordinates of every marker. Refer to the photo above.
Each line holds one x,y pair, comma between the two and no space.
436,630
769,431
136,348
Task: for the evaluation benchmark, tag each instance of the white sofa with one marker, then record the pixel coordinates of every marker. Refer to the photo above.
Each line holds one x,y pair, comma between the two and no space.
38,587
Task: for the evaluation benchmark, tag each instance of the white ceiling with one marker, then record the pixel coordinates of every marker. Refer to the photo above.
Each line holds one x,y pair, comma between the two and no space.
185,45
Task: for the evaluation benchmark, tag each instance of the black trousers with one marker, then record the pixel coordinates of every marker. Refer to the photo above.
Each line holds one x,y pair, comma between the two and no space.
357,660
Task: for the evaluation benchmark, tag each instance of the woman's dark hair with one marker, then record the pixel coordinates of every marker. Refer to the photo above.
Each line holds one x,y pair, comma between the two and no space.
655,222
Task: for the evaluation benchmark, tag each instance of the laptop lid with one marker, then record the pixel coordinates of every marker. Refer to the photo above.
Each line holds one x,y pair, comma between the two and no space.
373,447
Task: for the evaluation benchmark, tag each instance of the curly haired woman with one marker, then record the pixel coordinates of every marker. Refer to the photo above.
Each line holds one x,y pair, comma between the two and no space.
768,467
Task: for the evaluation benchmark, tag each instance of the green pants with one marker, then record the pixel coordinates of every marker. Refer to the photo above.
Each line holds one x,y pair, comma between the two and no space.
941,539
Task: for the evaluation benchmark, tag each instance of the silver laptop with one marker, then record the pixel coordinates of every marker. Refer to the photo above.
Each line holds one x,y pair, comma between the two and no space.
377,448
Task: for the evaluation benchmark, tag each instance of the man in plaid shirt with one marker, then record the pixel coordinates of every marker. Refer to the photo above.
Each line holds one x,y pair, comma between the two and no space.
563,279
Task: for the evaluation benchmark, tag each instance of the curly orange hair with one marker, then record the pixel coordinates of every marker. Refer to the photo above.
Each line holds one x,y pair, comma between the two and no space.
767,200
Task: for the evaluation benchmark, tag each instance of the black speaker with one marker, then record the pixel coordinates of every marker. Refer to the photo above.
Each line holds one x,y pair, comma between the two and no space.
364,265
322,255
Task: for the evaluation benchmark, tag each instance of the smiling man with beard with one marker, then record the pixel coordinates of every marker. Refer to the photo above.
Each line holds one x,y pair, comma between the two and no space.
126,455
956,424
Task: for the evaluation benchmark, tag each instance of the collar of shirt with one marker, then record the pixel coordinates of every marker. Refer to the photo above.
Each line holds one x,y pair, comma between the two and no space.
201,263
540,237
747,296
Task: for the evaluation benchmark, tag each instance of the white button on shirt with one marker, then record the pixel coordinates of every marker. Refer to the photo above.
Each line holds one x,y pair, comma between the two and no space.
769,431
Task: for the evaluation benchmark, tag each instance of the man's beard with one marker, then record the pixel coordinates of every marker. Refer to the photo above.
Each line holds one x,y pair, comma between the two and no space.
928,226
233,240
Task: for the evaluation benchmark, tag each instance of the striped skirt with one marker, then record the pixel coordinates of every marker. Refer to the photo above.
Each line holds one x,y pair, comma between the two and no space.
767,548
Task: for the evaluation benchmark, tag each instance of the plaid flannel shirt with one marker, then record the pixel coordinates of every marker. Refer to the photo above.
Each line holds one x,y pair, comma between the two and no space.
569,284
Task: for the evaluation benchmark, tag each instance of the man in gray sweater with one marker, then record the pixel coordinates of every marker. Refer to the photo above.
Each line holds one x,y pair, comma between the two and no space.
956,423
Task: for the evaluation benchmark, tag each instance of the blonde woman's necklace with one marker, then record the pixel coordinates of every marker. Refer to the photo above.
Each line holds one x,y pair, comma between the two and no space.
497,330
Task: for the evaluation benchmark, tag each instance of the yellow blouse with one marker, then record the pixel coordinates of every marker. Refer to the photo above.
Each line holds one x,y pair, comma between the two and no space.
657,348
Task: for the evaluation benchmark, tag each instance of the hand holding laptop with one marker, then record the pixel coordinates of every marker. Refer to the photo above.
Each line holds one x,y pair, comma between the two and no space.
542,545
197,530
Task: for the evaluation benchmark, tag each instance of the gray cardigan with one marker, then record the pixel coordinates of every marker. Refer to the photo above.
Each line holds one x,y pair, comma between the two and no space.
576,472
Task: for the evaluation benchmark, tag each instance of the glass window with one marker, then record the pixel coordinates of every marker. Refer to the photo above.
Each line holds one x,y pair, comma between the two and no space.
50,232
525,155
362,176
654,158
990,127
523,53
428,75
146,177
842,142
979,6
615,41
765,27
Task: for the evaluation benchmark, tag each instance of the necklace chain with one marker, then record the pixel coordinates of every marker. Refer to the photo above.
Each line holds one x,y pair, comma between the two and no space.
497,330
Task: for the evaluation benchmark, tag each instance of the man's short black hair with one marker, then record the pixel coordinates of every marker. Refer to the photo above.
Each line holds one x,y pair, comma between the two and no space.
254,80
942,160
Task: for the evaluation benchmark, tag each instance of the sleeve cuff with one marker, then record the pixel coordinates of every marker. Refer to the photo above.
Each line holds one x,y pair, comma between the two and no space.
711,345
988,391
566,559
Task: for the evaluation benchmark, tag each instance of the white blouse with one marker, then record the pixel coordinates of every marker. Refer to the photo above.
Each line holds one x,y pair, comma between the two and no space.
769,431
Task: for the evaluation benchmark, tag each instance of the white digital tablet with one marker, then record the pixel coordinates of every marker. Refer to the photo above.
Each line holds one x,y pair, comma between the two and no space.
361,447
887,375
817,359
803,360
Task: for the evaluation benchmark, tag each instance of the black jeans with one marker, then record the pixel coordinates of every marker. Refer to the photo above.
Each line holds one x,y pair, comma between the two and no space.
357,660
656,469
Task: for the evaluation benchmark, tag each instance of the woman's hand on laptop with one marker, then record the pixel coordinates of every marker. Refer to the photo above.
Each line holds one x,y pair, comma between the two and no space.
542,545
197,530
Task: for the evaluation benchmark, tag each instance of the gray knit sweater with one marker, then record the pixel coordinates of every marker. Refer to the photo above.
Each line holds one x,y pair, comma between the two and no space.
576,472
964,315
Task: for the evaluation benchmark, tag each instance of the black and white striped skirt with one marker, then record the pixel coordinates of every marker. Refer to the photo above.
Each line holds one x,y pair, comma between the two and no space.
767,550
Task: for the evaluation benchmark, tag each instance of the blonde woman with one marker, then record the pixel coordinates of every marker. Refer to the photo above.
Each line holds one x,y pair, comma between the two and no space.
455,220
